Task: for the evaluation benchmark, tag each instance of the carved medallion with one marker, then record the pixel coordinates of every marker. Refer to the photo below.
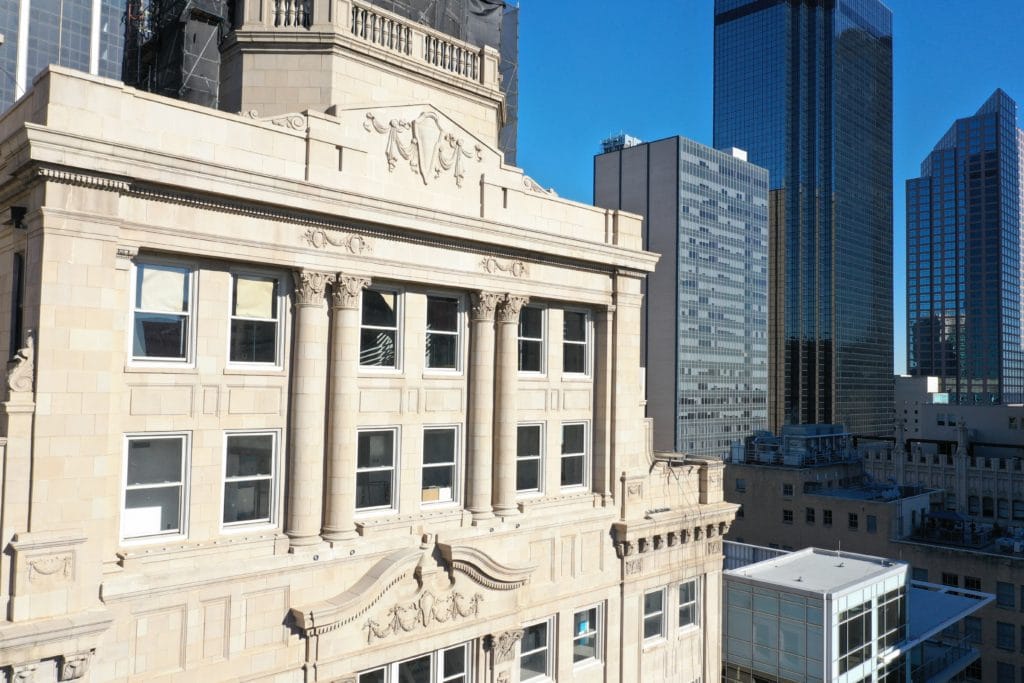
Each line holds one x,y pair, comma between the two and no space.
514,268
429,149
354,244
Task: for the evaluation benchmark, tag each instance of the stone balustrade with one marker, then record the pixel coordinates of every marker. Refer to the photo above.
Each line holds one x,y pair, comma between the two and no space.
383,29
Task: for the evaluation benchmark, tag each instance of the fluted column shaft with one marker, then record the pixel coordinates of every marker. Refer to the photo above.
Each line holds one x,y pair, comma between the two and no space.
506,415
481,405
309,387
342,451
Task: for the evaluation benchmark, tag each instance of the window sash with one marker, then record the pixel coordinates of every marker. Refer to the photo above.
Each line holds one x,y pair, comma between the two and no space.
269,479
366,478
136,518
538,657
245,344
529,463
433,356
591,633
159,320
688,604
572,343
380,345
449,464
568,457
654,618
531,347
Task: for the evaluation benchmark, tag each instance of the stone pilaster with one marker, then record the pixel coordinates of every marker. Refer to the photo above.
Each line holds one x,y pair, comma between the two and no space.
506,414
339,523
481,405
603,389
309,386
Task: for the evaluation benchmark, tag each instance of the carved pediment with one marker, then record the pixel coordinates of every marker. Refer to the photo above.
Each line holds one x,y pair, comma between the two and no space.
484,569
364,594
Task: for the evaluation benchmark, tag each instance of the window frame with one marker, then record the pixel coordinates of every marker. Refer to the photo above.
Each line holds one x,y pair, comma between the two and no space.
542,340
587,343
184,485
548,648
396,450
192,279
390,669
280,322
542,442
696,602
660,614
456,496
585,455
275,480
459,334
597,631
399,330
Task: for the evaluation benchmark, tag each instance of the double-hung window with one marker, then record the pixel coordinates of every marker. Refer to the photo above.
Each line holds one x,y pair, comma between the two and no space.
255,320
531,339
529,458
574,454
440,450
156,471
535,660
575,338
689,597
654,614
378,332
250,473
586,635
442,340
161,318
375,469
448,665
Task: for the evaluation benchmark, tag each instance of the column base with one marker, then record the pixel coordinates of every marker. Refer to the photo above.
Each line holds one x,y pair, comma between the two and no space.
507,512
481,515
333,537
297,541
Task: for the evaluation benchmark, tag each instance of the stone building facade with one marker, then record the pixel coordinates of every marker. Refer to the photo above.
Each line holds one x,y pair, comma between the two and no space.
326,391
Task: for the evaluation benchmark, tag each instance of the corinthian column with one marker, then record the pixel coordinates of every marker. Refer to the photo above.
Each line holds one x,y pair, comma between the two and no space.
339,523
506,417
481,405
309,386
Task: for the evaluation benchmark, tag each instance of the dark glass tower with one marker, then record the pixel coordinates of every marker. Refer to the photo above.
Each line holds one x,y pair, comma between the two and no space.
964,259
806,88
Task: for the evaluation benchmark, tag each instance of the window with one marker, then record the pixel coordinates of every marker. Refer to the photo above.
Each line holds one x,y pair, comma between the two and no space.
439,464
378,332
918,574
254,320
787,489
531,339
854,637
787,516
972,629
1005,673
528,458
250,472
688,600
1005,594
854,521
741,485
449,665
535,651
442,352
950,579
375,469
826,517
575,333
654,614
586,635
809,515
872,524
154,497
892,618
162,310
17,302
1006,636
574,454
972,583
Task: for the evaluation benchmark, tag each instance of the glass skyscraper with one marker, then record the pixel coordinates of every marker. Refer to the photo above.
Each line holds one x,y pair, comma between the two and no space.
806,88
964,252
87,35
705,314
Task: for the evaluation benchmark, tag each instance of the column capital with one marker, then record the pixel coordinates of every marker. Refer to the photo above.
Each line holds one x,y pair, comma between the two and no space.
509,307
483,305
310,286
345,290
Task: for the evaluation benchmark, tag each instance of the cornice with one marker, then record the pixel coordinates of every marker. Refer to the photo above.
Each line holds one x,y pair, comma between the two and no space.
484,569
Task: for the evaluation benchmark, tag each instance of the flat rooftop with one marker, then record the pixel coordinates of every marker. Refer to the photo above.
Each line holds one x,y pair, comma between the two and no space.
817,570
875,492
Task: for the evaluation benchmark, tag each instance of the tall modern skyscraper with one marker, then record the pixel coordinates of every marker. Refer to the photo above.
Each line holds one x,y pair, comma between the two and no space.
81,34
964,250
806,88
706,305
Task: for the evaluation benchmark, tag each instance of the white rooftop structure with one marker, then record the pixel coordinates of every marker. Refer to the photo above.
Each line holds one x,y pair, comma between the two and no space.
815,570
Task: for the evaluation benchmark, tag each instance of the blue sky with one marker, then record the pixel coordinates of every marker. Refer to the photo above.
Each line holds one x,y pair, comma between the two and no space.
592,69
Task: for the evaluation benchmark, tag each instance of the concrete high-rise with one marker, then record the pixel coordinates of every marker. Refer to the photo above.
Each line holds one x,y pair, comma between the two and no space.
705,306
806,89
87,35
964,259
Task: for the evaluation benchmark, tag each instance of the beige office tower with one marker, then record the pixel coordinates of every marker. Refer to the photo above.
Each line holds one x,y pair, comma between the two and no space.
325,391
